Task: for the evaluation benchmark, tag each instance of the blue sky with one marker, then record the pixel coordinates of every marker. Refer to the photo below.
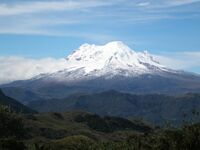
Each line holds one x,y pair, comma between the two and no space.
37,29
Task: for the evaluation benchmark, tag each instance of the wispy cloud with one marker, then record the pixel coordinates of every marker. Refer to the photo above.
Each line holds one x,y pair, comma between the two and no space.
180,60
48,6
165,4
144,4
181,2
39,17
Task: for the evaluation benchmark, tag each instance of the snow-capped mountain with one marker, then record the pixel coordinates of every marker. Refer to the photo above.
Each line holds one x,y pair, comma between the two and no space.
114,55
110,60
93,68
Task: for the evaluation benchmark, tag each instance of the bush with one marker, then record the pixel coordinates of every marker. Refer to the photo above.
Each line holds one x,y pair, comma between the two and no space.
11,144
11,124
11,130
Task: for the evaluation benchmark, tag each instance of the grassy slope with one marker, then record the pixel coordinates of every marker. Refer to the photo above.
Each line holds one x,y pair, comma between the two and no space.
85,131
64,131
60,125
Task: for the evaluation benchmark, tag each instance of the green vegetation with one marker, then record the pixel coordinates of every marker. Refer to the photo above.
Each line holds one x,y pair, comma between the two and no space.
11,129
110,124
85,131
78,130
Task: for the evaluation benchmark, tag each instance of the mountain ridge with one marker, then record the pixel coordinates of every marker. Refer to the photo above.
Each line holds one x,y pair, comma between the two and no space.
14,105
93,68
110,59
153,108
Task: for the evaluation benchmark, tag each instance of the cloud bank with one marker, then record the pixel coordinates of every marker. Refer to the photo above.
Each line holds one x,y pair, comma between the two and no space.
20,68
188,61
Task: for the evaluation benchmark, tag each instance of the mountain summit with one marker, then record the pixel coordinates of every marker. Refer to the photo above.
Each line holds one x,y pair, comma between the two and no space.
112,58
93,68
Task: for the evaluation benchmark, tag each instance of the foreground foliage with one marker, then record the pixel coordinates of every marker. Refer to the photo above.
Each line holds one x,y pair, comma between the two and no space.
85,131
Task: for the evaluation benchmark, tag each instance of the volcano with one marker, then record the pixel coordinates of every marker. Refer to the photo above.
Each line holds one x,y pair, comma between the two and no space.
113,66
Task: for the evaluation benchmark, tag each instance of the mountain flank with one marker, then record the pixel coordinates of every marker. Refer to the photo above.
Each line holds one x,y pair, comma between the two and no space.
155,108
97,68
13,104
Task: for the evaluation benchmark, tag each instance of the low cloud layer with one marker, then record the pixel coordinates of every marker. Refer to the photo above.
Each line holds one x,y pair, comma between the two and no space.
19,68
188,61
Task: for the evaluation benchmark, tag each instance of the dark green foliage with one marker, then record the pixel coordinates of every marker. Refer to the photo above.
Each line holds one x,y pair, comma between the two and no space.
51,133
11,144
110,124
84,131
94,122
191,136
11,124
11,130
172,139
77,142
57,115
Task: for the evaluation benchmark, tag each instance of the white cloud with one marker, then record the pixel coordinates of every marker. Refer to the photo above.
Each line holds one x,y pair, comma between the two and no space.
39,17
180,60
142,4
152,4
41,6
19,68
181,2
47,17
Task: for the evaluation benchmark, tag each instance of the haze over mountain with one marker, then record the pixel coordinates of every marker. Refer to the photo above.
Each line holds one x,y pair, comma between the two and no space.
93,68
